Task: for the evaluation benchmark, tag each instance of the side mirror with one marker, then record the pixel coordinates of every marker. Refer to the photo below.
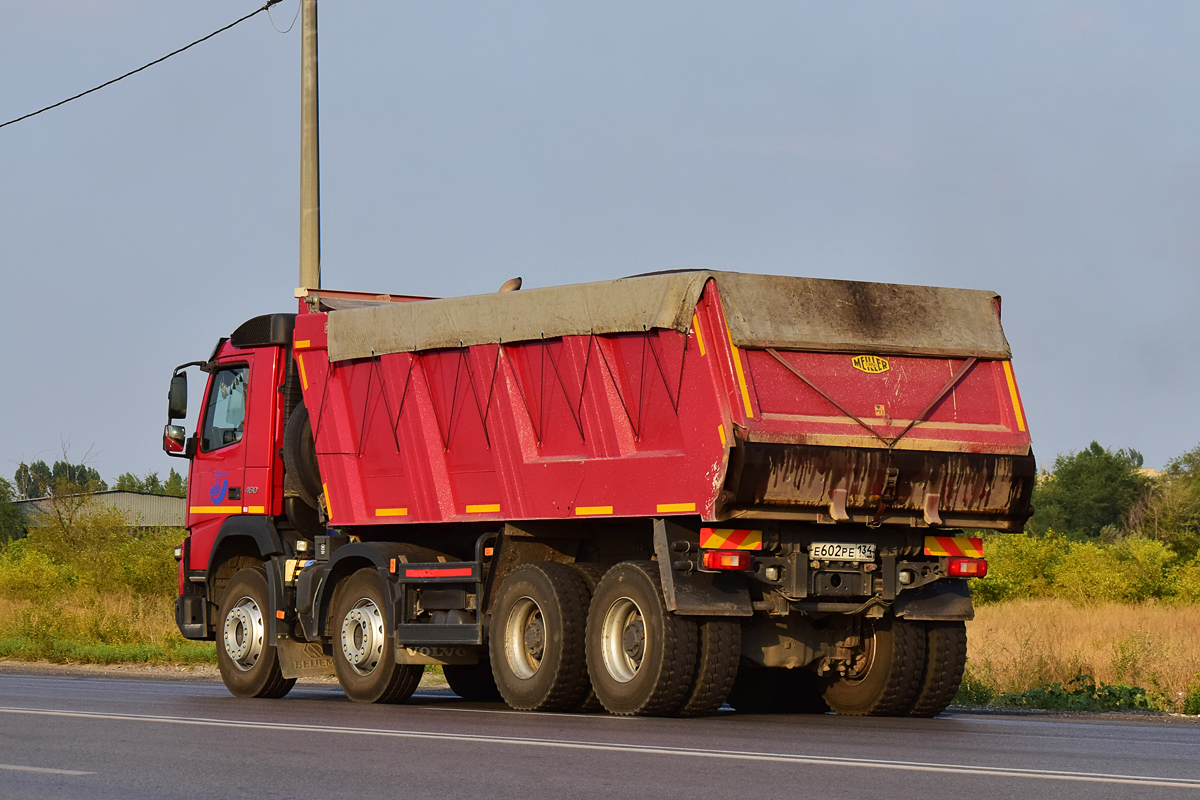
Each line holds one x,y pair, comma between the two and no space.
174,438
177,397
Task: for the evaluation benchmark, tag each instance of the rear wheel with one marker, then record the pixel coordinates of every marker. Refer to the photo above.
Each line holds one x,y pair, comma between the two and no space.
249,664
641,657
886,674
536,638
719,652
364,655
945,658
591,574
473,682
777,691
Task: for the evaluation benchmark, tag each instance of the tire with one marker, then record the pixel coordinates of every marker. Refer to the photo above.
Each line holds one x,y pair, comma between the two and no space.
591,574
641,657
249,664
536,638
719,653
473,682
945,658
888,674
364,654
300,456
758,690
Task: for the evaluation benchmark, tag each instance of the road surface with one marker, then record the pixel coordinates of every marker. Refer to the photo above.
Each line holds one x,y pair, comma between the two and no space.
111,737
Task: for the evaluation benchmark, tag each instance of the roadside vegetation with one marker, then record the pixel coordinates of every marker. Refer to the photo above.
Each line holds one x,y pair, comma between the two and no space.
1095,607
79,584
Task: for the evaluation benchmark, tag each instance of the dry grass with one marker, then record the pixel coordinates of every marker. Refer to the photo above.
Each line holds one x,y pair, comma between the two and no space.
1023,644
96,627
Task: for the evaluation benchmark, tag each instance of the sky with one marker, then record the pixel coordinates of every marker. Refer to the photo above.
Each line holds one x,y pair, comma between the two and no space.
1047,151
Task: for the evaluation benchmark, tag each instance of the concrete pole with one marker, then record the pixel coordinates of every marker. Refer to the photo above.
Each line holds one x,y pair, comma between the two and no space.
310,172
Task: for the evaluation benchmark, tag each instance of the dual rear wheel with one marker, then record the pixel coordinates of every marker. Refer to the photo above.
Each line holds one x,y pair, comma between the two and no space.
571,638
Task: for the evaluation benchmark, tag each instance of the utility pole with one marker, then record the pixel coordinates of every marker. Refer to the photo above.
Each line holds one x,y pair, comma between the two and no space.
310,171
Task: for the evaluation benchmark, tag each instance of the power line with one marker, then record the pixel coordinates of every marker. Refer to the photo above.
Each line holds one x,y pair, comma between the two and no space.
145,66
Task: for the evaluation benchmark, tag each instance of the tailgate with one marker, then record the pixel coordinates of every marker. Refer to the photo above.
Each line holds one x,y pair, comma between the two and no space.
914,440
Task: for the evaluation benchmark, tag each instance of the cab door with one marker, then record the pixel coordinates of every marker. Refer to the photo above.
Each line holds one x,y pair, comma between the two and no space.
215,490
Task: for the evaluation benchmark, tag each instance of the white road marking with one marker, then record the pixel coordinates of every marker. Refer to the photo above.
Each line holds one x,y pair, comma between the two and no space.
615,747
45,770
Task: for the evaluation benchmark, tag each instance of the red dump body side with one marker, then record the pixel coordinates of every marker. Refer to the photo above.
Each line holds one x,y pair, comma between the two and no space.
663,422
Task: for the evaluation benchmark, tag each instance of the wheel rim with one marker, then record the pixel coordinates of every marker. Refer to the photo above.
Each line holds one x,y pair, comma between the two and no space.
363,636
865,661
525,638
624,640
244,633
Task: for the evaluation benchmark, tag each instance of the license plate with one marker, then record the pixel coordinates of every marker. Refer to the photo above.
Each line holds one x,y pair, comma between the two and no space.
842,551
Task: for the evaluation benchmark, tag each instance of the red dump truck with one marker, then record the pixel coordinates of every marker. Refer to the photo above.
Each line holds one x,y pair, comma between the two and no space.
653,495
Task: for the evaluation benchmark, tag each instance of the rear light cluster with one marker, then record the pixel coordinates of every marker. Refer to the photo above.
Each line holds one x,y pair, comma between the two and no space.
727,559
967,567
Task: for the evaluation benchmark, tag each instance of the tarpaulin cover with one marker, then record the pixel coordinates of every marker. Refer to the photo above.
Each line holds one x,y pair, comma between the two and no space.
762,311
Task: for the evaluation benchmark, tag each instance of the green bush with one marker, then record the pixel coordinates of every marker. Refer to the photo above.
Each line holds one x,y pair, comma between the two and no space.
1130,570
1019,566
1187,581
26,573
1080,694
1191,705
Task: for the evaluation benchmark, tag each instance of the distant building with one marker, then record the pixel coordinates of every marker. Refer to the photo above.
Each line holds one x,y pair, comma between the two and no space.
140,510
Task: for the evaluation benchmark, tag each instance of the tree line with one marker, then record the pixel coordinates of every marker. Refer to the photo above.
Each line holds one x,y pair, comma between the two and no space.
63,479
1100,494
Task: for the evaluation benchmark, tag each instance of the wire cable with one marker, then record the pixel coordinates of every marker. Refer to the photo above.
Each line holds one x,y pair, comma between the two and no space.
145,66
289,27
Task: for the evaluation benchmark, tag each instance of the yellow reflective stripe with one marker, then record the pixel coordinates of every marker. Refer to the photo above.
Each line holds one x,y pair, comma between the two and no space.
730,539
303,374
668,508
721,432
699,338
967,546
391,512
494,508
255,509
1012,392
586,511
741,375
328,505
302,344
215,509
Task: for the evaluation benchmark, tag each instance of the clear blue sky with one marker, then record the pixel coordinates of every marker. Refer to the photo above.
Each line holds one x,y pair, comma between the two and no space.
1048,151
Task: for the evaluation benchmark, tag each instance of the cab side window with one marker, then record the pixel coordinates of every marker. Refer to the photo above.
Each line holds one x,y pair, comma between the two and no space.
225,411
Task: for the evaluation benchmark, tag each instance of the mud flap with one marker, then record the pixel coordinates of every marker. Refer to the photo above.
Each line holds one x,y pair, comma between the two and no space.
697,593
945,600
302,659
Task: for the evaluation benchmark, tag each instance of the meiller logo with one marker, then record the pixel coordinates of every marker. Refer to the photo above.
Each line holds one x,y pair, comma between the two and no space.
871,364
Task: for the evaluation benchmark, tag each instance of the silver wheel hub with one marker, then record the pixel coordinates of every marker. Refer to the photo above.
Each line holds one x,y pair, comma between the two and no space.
623,640
244,633
363,636
525,638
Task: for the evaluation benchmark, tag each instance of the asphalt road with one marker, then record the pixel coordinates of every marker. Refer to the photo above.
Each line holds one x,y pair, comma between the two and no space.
97,737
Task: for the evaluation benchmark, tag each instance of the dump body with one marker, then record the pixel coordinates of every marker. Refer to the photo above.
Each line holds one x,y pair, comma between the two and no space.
720,395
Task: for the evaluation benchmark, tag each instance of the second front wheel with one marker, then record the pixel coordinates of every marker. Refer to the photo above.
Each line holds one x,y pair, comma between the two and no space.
364,655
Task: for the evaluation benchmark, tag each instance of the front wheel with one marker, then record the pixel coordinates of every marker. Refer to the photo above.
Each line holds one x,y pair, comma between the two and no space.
249,664
364,655
884,678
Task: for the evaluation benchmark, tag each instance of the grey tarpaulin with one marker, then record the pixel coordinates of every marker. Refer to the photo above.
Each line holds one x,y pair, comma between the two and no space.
762,311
